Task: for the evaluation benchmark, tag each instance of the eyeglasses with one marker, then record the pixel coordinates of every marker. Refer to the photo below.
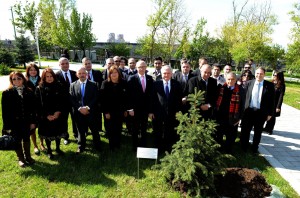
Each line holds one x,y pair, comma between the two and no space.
18,78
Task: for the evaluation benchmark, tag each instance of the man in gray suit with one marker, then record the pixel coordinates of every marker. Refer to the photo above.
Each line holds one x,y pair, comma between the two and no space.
84,97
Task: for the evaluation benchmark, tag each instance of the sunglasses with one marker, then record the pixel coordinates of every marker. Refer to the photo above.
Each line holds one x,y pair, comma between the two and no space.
274,74
18,78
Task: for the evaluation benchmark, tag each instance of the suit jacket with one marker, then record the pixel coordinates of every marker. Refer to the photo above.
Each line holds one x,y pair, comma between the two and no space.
66,87
139,100
184,85
267,97
197,72
164,107
97,77
90,96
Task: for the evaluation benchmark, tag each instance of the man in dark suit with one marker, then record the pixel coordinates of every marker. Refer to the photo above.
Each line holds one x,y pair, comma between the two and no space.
84,98
259,107
95,76
167,96
66,76
108,63
208,84
157,65
183,77
202,61
132,70
140,88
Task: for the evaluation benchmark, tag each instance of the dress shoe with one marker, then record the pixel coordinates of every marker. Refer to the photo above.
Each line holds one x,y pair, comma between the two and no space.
66,142
30,161
270,132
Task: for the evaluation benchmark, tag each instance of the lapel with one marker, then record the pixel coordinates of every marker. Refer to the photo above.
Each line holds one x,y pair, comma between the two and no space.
140,83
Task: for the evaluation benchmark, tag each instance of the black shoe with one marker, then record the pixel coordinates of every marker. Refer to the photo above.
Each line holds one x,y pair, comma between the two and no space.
59,152
270,132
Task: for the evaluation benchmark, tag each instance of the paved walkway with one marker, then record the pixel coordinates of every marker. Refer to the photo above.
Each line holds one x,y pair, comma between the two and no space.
282,149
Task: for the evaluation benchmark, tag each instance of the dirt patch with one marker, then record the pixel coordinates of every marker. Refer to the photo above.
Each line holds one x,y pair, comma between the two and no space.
242,182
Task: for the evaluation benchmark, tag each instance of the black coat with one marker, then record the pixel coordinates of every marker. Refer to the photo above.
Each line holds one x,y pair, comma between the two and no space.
180,78
137,99
267,98
279,93
115,97
164,107
48,102
18,112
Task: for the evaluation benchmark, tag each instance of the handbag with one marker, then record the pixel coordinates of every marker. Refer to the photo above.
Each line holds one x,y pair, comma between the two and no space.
7,142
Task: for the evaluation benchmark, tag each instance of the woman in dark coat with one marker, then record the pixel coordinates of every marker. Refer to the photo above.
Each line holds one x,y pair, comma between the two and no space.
33,79
19,115
49,101
113,91
279,84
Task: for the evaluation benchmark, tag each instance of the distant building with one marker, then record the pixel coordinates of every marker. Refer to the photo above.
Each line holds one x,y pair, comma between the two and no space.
111,38
120,38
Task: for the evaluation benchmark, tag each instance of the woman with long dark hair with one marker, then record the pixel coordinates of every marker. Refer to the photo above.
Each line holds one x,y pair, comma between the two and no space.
19,115
279,84
49,100
33,79
114,89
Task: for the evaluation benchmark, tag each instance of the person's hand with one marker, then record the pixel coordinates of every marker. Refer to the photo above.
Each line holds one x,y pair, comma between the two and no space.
269,117
236,123
151,116
277,110
50,117
84,111
184,100
131,113
204,107
107,116
56,114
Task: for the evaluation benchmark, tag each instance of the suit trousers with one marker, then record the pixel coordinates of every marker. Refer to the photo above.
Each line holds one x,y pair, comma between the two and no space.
83,123
140,121
230,131
252,118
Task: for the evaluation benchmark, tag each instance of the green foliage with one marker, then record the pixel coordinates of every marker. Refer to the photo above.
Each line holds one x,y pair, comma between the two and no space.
25,53
4,70
6,57
194,159
120,49
293,54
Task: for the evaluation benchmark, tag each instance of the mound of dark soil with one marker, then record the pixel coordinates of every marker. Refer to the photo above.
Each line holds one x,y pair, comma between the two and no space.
242,182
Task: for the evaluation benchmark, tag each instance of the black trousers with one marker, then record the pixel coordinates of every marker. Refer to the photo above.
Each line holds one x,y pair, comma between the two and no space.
140,123
83,123
230,132
270,124
252,118
64,121
114,129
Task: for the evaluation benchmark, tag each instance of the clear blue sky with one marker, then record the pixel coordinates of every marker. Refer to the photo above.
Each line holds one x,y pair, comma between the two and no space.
128,17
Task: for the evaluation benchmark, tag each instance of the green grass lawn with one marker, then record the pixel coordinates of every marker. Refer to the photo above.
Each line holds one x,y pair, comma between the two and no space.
104,174
292,94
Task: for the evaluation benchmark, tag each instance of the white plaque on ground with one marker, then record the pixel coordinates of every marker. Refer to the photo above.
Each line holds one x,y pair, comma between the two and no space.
149,153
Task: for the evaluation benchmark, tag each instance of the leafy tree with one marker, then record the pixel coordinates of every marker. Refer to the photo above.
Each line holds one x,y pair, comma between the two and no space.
249,31
194,159
272,54
25,53
183,51
80,31
293,53
119,49
6,57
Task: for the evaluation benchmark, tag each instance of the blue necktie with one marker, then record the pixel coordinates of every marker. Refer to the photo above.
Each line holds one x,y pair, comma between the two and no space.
167,90
82,93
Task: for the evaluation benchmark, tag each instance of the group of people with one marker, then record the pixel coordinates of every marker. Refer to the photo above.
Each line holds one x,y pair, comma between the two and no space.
133,95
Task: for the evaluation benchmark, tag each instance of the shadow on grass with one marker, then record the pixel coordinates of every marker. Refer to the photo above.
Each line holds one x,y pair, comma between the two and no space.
91,167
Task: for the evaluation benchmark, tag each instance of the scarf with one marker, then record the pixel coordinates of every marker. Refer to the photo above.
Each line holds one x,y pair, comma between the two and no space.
19,90
33,80
234,101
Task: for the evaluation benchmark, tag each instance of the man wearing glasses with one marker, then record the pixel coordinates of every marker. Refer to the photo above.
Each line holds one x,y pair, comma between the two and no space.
117,60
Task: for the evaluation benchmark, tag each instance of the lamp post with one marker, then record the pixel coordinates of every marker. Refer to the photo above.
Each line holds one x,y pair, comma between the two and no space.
37,43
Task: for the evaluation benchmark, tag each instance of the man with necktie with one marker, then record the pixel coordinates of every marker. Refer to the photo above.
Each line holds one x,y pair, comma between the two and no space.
84,97
167,96
259,107
208,84
65,76
95,76
140,94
